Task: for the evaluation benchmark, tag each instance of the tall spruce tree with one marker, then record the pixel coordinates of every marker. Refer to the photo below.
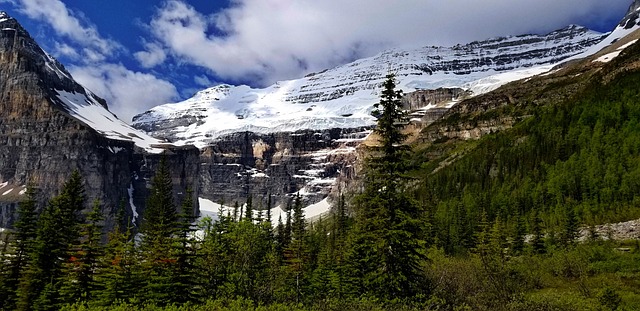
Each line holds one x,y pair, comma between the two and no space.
297,252
159,225
184,277
21,247
160,215
118,276
57,231
79,279
388,249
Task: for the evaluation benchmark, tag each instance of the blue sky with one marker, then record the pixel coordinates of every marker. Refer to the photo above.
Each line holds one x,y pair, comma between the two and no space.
141,53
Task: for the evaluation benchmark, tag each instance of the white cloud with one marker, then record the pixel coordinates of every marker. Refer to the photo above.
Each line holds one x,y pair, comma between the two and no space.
70,24
202,81
63,49
127,92
279,39
152,56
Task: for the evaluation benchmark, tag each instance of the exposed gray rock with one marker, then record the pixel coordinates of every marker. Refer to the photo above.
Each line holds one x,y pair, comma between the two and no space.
246,164
42,143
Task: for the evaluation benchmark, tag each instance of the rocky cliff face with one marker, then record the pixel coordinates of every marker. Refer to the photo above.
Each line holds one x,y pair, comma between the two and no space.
44,136
281,164
633,15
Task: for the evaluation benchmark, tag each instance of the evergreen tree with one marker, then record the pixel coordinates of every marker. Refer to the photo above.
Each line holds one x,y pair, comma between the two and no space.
160,214
57,231
286,236
570,230
185,285
517,240
248,210
389,248
118,277
296,253
159,226
21,247
269,207
537,236
214,258
79,271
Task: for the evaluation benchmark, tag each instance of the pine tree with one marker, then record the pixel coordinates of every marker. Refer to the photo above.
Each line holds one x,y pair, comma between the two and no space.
160,215
296,253
21,246
118,276
57,231
269,207
517,240
159,225
214,257
248,210
537,236
79,272
570,230
280,236
185,285
389,247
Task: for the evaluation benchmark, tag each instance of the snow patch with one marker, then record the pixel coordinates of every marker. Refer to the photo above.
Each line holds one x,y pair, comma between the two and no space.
615,35
608,57
86,109
211,209
115,149
318,209
134,209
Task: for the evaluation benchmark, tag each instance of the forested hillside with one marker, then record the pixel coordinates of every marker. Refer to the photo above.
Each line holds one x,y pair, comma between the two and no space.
569,163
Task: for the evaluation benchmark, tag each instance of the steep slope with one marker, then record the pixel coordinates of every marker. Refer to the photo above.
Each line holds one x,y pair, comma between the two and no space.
564,147
342,97
51,125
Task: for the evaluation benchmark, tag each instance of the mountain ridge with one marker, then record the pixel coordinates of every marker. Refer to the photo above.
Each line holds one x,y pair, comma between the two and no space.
342,97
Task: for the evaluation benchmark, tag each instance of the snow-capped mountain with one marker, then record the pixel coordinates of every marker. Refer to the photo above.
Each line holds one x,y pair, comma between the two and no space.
342,97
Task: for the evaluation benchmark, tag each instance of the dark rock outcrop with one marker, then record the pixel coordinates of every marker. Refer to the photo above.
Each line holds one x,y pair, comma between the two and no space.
633,15
247,164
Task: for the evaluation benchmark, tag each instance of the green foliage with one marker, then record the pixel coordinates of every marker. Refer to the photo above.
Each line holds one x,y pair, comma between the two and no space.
490,225
387,251
78,282
160,214
57,230
21,247
567,164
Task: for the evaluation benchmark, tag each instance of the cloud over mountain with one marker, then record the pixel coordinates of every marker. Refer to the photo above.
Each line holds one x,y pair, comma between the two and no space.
268,40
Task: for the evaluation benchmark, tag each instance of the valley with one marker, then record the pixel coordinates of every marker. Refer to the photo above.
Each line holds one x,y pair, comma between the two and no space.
500,174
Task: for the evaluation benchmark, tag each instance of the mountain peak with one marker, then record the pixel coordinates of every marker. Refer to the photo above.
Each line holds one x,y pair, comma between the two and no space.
633,14
31,67
4,16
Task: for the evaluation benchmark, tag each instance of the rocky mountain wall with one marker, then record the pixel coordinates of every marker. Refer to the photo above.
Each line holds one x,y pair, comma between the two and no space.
247,164
41,143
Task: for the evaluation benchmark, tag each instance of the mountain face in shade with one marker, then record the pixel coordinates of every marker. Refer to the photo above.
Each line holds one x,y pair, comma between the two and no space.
50,125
